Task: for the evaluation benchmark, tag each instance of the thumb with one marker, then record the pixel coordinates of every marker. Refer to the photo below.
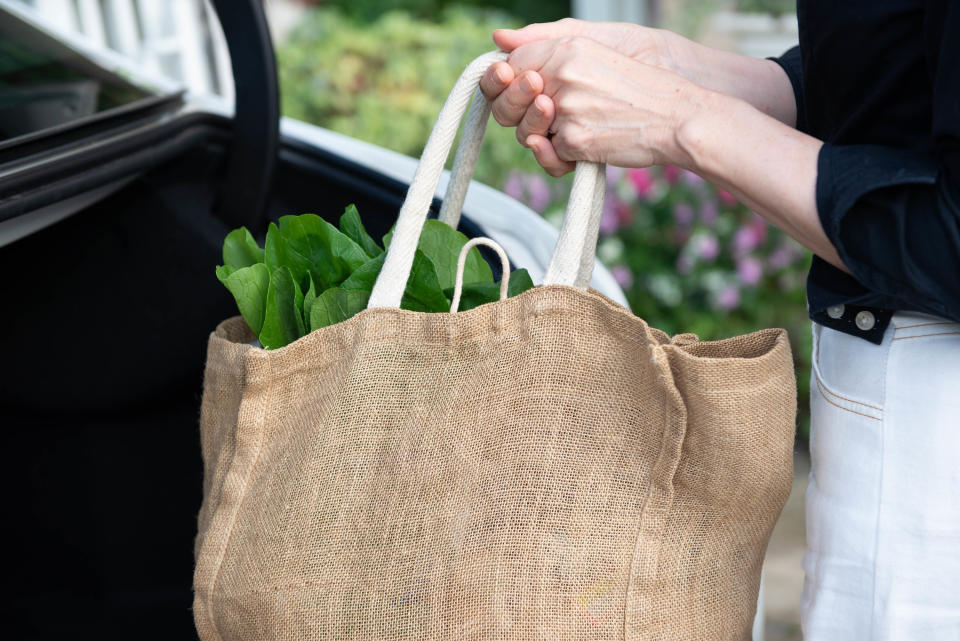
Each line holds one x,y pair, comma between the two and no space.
510,39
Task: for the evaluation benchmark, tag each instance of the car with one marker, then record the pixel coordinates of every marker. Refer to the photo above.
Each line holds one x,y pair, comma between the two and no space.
116,190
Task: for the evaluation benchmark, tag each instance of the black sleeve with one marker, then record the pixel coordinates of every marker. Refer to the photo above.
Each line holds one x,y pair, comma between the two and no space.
894,215
792,65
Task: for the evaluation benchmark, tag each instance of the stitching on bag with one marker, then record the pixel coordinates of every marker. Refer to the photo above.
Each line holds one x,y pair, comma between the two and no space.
903,338
824,393
898,327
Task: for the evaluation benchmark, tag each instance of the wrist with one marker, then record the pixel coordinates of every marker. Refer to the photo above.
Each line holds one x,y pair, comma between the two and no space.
700,118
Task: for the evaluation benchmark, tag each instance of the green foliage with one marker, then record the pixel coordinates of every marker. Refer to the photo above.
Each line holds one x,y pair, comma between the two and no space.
773,7
527,10
313,274
385,82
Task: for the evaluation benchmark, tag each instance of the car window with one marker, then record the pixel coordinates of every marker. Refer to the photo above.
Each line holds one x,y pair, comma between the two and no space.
43,86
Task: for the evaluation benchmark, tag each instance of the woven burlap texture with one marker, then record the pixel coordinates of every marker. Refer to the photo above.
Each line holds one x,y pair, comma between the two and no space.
544,467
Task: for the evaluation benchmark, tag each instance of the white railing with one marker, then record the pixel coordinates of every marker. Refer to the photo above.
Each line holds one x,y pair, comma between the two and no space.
178,39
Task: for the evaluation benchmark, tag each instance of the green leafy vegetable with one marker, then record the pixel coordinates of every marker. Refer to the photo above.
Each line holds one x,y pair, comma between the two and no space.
283,319
351,225
337,305
476,294
249,287
442,244
311,274
241,250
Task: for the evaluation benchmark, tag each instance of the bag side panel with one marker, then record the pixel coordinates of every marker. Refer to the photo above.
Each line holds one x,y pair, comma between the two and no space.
734,476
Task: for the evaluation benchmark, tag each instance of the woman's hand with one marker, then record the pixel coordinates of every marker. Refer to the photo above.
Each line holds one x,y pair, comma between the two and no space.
578,99
595,103
518,99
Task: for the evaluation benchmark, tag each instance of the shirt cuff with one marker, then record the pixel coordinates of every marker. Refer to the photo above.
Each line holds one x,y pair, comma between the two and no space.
846,177
792,63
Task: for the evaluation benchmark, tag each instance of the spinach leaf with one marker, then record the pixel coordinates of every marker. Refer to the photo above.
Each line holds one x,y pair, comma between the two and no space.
249,287
240,249
423,292
351,225
442,244
308,299
337,305
520,282
476,294
329,254
365,275
283,320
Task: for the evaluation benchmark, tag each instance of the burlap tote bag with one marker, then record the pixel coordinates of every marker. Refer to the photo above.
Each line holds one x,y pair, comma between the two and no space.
544,467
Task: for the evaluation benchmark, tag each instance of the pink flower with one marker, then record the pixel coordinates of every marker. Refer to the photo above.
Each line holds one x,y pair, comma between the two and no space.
692,179
671,173
622,275
624,213
684,264
709,212
609,221
750,236
683,213
539,192
513,187
728,298
726,197
750,271
614,174
707,247
642,181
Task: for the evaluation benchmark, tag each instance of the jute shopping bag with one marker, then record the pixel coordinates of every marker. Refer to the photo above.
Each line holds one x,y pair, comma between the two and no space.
544,467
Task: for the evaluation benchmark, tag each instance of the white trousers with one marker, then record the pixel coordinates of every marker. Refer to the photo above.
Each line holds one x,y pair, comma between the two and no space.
883,503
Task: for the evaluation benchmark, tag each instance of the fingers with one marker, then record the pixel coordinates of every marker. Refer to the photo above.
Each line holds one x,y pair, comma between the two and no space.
547,156
497,78
510,39
510,106
537,120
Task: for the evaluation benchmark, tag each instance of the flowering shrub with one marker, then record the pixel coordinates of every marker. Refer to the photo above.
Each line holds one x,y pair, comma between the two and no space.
690,258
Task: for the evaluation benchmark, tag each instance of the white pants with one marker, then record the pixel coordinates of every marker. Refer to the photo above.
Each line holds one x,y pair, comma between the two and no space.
883,504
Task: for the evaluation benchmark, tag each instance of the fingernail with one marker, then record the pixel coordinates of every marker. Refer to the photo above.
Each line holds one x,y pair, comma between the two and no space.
502,75
525,84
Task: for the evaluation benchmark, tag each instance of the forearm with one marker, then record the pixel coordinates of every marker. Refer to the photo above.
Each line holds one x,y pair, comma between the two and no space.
769,166
759,82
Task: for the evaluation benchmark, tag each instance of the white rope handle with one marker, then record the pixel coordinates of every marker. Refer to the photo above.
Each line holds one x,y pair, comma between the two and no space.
572,261
466,160
461,264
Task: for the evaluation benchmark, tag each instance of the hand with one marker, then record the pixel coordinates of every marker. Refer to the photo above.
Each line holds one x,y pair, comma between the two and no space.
513,95
603,106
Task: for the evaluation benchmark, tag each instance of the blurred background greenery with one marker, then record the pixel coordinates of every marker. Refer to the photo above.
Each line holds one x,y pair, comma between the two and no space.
688,256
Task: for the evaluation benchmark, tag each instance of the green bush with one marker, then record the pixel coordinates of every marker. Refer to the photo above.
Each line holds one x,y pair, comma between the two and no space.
385,82
524,10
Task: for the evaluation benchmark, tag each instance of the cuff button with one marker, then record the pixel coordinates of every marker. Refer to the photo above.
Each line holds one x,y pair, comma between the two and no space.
865,320
835,311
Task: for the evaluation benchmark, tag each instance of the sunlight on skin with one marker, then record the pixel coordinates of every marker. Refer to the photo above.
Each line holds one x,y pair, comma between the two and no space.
634,97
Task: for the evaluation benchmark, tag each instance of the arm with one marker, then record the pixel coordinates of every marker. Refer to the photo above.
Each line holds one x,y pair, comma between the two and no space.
892,215
765,84
769,166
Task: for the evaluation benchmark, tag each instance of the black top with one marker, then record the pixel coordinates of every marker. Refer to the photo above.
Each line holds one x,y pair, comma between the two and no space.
879,83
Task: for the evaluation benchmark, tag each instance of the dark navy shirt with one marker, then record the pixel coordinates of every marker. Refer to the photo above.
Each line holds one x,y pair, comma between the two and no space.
879,82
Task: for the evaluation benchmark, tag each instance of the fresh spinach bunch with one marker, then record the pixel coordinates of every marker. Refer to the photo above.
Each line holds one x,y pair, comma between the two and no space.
311,274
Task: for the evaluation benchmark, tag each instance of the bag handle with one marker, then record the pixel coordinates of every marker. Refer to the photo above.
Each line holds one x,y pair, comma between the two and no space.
573,257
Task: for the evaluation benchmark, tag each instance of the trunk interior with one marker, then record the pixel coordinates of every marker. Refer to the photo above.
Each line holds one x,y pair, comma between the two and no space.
108,316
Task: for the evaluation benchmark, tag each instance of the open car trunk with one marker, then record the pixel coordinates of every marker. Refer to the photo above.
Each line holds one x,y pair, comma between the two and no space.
107,317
